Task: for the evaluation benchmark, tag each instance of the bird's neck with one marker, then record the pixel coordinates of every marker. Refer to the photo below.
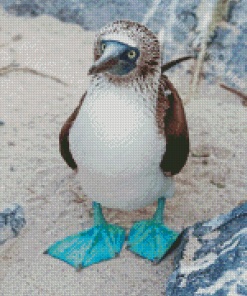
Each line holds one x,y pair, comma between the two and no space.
146,89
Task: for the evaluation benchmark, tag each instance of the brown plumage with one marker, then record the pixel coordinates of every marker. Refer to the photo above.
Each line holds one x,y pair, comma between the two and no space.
64,136
175,128
125,139
171,121
170,114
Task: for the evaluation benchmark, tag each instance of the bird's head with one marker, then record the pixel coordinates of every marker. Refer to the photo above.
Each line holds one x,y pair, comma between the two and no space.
124,50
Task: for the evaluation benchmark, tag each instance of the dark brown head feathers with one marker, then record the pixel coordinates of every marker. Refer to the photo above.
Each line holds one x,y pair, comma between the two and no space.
146,41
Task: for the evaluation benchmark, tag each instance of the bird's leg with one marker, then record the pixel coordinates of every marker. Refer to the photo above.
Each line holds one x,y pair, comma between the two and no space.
151,239
101,242
158,215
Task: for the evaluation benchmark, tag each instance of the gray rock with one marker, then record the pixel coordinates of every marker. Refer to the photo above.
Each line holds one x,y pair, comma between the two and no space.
227,47
211,258
11,221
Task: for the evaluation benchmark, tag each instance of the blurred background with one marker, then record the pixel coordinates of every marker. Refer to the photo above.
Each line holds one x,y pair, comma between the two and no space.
215,31
45,53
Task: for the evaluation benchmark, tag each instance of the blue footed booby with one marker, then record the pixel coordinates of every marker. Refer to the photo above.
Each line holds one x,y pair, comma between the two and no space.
126,139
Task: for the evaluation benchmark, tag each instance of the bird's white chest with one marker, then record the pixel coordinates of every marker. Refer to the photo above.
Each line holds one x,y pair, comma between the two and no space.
114,140
115,132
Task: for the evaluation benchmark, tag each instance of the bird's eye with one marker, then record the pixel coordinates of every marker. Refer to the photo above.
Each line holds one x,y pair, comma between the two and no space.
131,54
103,46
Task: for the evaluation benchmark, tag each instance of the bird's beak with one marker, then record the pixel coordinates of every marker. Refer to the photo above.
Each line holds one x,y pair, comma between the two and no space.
108,60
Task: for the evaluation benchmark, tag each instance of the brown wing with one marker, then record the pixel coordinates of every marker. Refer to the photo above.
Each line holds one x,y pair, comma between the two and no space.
172,122
64,137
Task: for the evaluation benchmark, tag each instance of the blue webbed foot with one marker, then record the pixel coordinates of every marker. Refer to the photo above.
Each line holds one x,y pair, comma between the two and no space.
151,239
101,242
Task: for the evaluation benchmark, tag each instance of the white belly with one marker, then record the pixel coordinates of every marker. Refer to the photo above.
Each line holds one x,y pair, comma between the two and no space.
117,148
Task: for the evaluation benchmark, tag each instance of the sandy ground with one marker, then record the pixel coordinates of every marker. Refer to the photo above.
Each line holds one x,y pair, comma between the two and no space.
35,100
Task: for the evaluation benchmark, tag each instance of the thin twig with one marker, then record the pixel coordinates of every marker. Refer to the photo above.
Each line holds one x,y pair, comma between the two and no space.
171,64
10,68
236,92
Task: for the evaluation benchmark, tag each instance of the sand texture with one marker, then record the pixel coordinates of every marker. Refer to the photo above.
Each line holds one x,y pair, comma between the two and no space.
43,73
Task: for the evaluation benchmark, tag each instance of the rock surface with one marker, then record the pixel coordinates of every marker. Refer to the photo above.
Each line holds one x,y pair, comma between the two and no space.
178,21
211,260
11,221
36,98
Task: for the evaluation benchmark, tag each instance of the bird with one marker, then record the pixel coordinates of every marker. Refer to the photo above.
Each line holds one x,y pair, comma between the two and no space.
125,140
